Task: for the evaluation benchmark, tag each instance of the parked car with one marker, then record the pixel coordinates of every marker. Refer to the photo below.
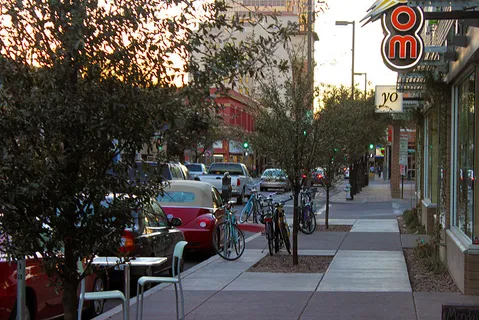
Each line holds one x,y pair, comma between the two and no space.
194,202
196,169
274,179
318,176
152,235
169,170
43,300
240,177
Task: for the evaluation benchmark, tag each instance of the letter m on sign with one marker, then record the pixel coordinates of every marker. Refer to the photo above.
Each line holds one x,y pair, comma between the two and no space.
403,42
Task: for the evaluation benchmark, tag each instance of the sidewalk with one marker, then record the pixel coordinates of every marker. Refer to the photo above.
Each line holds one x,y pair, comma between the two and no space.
367,278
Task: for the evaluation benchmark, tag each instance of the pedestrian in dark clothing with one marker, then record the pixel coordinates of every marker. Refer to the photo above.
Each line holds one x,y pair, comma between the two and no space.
379,171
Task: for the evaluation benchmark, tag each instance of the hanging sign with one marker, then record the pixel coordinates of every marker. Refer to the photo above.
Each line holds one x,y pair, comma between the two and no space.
402,47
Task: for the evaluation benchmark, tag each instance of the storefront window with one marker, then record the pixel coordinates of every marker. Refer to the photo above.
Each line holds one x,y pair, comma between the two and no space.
465,157
429,157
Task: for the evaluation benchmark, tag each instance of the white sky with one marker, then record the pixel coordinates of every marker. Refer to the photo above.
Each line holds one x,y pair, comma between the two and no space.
333,50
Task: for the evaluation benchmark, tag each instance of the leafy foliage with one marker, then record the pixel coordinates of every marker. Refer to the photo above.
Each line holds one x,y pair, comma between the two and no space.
85,85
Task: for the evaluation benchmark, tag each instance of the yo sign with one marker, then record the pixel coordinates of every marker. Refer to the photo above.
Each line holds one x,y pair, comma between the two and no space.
402,47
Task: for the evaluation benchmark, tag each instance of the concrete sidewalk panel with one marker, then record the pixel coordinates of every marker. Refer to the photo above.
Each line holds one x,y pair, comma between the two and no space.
367,271
162,305
321,240
376,225
360,305
265,281
429,304
379,241
337,222
252,305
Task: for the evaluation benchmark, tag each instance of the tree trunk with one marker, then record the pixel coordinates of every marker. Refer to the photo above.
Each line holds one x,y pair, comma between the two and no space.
70,299
70,283
295,223
351,180
326,219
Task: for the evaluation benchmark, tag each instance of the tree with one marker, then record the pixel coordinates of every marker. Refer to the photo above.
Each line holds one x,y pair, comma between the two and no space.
347,127
84,85
283,130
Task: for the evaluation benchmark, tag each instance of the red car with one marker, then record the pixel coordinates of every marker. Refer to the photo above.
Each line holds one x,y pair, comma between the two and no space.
42,300
194,202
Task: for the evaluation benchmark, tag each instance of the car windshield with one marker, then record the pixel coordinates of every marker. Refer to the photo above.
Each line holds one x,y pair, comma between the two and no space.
233,169
194,167
176,196
273,173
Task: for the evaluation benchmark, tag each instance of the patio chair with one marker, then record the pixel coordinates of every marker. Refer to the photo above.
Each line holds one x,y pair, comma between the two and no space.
175,279
99,295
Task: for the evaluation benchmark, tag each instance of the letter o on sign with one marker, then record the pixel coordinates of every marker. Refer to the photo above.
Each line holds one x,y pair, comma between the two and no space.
411,21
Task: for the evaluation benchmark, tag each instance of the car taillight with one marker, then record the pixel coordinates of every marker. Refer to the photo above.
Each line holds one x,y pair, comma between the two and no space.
303,176
204,222
127,242
238,182
319,176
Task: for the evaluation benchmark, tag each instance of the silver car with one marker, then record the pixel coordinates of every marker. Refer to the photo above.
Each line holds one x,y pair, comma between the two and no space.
274,179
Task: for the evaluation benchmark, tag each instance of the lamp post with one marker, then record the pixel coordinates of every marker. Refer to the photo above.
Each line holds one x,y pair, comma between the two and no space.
345,23
365,81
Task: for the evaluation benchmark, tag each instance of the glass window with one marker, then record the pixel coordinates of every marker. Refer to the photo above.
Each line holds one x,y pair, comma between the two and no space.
194,167
217,199
464,219
155,216
429,158
176,196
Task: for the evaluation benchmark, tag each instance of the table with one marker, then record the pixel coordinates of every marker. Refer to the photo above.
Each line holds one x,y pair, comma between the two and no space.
134,262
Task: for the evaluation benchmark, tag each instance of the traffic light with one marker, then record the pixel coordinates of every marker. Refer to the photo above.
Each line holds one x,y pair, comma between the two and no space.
304,133
245,144
371,146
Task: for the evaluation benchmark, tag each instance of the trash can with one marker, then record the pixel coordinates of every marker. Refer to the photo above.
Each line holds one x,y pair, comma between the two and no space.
226,187
347,189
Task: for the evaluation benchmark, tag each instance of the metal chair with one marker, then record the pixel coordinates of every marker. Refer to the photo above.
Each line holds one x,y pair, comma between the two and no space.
175,279
99,295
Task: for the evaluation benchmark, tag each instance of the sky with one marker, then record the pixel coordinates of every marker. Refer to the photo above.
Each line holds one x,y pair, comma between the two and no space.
333,50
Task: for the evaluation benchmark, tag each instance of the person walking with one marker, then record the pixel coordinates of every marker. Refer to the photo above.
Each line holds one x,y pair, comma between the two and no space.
379,171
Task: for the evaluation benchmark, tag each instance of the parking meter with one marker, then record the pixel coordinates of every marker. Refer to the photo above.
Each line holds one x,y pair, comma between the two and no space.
226,187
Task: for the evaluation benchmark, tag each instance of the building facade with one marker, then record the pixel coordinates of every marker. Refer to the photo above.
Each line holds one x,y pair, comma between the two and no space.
445,84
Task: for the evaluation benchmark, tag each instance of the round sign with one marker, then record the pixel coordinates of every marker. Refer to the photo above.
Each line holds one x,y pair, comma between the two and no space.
208,153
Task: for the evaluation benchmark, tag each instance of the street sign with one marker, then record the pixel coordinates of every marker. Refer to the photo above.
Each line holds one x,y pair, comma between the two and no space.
402,169
208,154
403,141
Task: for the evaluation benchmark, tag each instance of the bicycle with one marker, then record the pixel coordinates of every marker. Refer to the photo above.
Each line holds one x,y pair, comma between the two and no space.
267,220
228,239
252,207
281,227
307,217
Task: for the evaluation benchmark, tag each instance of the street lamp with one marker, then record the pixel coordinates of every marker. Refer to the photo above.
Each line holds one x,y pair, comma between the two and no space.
365,81
345,23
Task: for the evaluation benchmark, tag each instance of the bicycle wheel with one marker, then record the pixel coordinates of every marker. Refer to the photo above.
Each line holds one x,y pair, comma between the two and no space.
246,212
284,235
256,212
269,236
307,221
277,237
228,241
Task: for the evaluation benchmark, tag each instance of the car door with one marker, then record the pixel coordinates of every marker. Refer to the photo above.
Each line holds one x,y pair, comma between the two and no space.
162,236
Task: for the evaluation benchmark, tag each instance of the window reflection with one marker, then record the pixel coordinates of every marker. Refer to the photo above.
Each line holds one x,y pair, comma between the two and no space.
465,156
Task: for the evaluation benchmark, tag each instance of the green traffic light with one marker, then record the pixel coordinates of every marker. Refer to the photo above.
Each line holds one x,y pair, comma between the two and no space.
371,146
304,133
245,144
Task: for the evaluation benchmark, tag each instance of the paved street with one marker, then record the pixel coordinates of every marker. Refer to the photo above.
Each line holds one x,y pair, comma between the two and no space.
367,278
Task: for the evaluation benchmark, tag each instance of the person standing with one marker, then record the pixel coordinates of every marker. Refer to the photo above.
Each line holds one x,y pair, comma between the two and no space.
379,171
